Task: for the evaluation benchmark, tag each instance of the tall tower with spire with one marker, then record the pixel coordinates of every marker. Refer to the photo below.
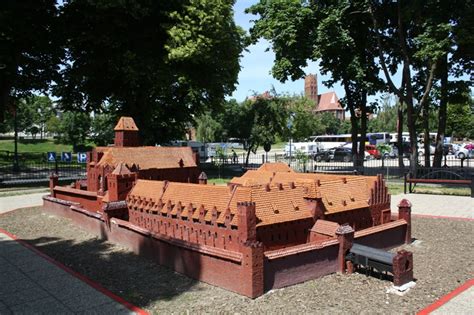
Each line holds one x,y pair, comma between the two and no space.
311,88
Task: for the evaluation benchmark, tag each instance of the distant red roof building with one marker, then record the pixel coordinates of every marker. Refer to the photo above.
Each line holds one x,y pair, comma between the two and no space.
325,102
265,95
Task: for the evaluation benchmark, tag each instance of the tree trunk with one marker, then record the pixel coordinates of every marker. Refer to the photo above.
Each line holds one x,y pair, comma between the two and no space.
353,118
363,129
442,114
248,154
4,96
400,134
426,133
15,127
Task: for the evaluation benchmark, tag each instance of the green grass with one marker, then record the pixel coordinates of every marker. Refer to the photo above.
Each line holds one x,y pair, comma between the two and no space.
218,181
397,188
34,146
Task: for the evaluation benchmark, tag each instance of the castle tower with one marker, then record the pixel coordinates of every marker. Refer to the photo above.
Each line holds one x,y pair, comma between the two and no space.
311,87
126,133
247,221
120,182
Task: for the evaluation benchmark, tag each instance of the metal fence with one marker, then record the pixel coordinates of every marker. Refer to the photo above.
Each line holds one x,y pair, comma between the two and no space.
35,168
390,168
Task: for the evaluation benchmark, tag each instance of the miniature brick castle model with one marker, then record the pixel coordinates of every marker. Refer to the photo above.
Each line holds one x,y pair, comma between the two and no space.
113,170
268,229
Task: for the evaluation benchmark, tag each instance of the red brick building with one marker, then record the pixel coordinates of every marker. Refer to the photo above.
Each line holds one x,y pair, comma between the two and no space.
126,161
325,102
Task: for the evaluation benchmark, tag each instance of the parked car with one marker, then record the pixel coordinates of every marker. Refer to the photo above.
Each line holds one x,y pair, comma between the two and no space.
421,149
406,150
325,156
343,154
373,152
465,152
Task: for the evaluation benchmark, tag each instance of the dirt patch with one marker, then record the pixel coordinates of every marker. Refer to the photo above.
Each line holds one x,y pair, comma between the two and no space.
443,254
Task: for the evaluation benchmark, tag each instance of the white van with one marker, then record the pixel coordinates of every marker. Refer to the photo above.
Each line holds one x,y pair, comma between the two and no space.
305,147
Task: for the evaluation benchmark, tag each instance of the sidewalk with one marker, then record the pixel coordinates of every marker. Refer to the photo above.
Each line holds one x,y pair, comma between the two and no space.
32,283
20,201
437,205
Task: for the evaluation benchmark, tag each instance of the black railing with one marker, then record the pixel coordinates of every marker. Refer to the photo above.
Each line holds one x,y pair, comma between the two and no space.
34,168
389,167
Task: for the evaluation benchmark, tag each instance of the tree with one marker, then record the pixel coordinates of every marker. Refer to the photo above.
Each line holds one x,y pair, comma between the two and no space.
334,33
233,119
161,62
419,36
208,129
29,52
267,119
74,128
41,108
331,124
305,122
102,128
460,120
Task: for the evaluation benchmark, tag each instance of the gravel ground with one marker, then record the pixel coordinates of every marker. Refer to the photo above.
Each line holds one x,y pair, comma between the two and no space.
443,253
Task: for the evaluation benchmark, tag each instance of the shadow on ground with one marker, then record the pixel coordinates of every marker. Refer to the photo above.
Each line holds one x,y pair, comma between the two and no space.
136,279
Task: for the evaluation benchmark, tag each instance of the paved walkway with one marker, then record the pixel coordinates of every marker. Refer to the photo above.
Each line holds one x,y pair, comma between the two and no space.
437,205
33,283
20,201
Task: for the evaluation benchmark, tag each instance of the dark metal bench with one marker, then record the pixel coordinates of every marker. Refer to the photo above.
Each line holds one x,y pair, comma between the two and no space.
400,265
426,179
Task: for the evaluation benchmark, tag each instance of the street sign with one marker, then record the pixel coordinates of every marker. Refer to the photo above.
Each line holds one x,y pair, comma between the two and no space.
51,156
66,156
82,157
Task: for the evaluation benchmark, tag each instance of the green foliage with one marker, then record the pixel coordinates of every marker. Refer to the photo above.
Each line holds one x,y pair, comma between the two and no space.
102,128
460,120
267,118
302,158
233,119
208,129
74,128
305,122
384,148
29,51
53,125
161,62
331,124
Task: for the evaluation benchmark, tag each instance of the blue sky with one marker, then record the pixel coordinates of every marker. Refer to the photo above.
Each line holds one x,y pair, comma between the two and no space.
256,65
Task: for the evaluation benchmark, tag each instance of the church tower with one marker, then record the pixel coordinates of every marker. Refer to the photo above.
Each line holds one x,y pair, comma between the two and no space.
126,133
311,88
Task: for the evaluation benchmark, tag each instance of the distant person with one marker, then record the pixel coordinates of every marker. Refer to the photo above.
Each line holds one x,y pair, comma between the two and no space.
235,159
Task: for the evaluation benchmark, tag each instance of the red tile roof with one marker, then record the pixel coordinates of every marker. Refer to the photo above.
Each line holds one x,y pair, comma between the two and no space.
275,167
276,204
328,101
121,169
126,123
148,157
